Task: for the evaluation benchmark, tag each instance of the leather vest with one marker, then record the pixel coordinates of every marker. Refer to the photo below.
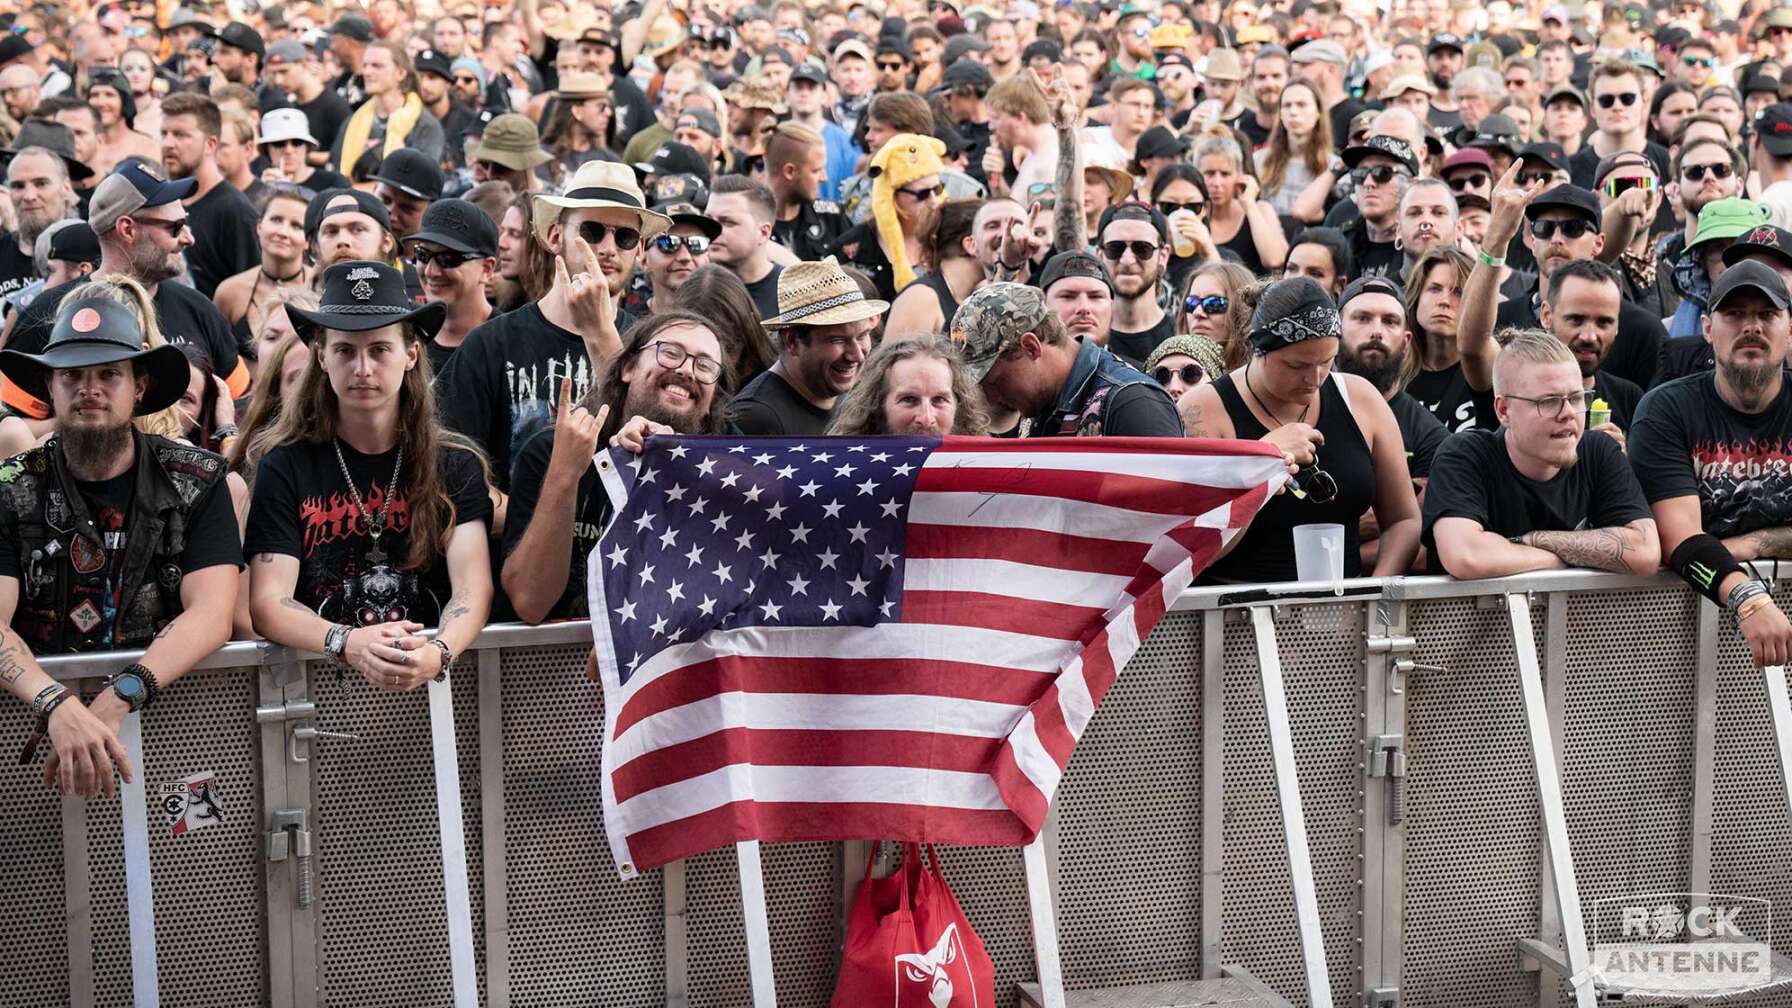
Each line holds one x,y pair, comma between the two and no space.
1094,378
63,555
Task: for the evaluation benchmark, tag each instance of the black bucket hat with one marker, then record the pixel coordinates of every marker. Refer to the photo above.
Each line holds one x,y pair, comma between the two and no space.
361,295
98,330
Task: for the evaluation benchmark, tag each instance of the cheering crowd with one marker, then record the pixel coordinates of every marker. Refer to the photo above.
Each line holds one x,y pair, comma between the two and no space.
315,318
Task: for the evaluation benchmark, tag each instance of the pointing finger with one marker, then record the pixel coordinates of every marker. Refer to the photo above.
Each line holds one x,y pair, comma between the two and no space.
565,397
560,275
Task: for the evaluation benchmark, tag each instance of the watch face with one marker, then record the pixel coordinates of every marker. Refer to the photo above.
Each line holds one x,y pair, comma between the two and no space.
129,687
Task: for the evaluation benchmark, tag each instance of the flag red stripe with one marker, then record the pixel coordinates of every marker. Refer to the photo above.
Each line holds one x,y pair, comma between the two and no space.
807,747
1028,546
863,676
999,612
795,822
1135,493
1133,445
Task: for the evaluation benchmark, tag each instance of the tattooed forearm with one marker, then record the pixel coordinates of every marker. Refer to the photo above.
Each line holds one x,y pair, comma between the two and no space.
11,667
1601,549
1773,543
292,603
1192,424
455,609
1068,228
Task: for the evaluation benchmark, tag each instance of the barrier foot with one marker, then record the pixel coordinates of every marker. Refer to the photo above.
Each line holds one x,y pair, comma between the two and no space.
756,923
446,753
1294,822
1549,796
1045,924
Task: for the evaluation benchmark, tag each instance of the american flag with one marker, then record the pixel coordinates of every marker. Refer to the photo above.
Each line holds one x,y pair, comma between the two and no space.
881,638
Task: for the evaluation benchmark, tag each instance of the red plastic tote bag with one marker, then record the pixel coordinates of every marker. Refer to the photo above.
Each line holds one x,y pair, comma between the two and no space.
909,944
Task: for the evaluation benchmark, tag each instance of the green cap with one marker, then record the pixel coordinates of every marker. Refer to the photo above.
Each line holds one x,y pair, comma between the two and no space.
1727,218
993,319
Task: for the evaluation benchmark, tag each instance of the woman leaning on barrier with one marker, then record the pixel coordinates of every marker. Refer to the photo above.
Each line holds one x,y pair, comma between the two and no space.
366,512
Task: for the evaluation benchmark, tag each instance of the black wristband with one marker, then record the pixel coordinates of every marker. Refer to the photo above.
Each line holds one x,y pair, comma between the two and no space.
1703,562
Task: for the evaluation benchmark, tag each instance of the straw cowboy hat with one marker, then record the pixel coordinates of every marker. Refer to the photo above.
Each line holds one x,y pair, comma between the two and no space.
820,293
595,185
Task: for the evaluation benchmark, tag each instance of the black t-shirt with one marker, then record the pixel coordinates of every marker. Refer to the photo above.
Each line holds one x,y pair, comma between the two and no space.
439,356
17,269
1584,162
978,135
768,406
764,292
1683,356
1420,431
1443,120
1447,396
1473,477
1341,114
211,541
303,509
503,384
1248,124
321,179
224,242
1686,440
326,113
1133,348
633,111
1635,352
591,511
1373,258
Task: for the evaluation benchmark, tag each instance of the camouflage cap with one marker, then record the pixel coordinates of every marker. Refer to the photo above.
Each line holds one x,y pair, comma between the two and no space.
992,319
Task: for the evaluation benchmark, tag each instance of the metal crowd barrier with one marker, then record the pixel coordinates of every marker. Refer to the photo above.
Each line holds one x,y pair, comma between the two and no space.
1295,794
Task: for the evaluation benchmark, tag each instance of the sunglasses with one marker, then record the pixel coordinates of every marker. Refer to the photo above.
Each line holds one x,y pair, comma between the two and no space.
594,233
670,243
1614,187
443,258
1315,484
1141,32
932,192
889,64
172,227
1166,207
1212,304
283,144
1038,189
1545,230
1696,172
458,79
1380,174
1463,182
1629,98
1698,61
1534,177
1189,373
1116,250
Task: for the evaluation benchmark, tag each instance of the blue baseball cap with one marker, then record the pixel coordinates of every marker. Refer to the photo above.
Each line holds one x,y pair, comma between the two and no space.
131,187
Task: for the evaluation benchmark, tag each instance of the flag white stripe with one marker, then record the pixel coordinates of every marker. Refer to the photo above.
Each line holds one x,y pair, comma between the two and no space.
1042,514
1027,582
1074,702
1231,472
1034,761
840,712
898,641
741,781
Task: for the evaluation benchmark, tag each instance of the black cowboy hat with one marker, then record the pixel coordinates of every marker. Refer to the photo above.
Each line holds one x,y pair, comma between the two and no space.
51,136
98,330
361,295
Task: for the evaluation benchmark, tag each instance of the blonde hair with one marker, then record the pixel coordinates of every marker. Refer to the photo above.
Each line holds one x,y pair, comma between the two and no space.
1528,346
128,292
1017,95
861,411
267,394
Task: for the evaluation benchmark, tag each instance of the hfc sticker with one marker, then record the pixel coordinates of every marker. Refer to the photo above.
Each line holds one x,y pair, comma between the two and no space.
192,803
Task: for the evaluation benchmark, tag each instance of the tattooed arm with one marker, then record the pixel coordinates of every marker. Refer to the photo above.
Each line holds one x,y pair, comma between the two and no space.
1631,549
83,749
1069,229
1469,551
387,654
470,575
1762,544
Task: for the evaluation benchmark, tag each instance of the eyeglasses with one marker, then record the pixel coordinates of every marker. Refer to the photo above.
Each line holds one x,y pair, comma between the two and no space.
889,64
1380,174
935,191
1212,304
1141,32
1696,172
1698,61
670,243
173,228
1534,177
1606,101
1573,230
458,79
1189,373
1315,484
1464,182
1614,187
671,356
443,258
594,233
1039,189
1167,207
1551,406
1116,250
283,144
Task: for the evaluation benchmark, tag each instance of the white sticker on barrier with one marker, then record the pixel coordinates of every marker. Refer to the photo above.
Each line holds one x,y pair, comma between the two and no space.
191,803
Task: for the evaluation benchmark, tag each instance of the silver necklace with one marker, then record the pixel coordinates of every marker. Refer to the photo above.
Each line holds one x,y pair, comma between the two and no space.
376,526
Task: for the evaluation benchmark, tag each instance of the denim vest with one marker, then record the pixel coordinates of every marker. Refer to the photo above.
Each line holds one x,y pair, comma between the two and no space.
1095,376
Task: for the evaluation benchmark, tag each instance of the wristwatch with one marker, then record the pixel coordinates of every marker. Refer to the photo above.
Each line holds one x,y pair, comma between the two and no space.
336,641
135,685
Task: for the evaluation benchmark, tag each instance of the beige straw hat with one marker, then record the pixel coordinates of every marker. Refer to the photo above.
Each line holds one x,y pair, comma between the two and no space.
820,293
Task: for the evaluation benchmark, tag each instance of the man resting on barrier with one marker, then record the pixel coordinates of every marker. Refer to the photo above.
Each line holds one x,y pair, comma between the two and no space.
1710,451
109,538
1543,492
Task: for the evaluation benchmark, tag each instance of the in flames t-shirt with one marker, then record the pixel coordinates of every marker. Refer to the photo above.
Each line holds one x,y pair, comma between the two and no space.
1686,440
302,508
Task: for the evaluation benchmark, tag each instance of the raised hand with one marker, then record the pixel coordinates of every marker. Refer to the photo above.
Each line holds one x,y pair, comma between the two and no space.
1509,201
588,301
576,433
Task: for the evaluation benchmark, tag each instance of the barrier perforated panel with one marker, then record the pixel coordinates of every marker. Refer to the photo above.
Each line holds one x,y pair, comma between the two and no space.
1321,650
34,970
383,931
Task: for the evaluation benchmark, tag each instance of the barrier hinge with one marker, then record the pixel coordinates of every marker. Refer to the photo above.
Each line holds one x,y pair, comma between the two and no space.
1386,757
1384,997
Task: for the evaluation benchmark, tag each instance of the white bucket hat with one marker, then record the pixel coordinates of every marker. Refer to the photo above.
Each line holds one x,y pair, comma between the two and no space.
600,184
285,124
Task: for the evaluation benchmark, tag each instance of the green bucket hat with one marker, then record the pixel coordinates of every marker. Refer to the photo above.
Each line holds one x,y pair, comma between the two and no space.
1728,218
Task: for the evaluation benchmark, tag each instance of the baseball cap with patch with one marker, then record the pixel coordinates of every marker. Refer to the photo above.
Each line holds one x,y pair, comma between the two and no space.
1385,146
679,189
1774,241
688,213
434,61
458,226
131,188
1773,125
1442,41
992,320
1548,152
1750,275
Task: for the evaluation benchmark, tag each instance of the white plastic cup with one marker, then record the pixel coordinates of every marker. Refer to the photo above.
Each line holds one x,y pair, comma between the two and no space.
1319,552
1182,246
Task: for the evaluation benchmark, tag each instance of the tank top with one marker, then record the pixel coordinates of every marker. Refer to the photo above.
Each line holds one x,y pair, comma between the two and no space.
1244,247
936,281
1267,552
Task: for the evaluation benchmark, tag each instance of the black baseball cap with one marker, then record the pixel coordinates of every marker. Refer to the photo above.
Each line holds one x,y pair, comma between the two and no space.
1371,285
673,158
687,213
1753,275
411,172
75,242
1074,263
1775,241
434,61
1047,50
331,202
967,73
1160,142
13,47
1566,197
1443,40
1567,91
1773,125
1548,152
1758,82
679,189
355,26
241,36
807,71
1386,146
458,226
1142,212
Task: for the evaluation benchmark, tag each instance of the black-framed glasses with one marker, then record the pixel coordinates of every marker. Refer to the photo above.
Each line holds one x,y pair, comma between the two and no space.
1212,304
594,233
671,356
1168,207
1314,484
1379,174
1696,172
1573,229
1463,181
1629,98
1551,406
671,243
1189,373
934,191
443,258
1141,250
